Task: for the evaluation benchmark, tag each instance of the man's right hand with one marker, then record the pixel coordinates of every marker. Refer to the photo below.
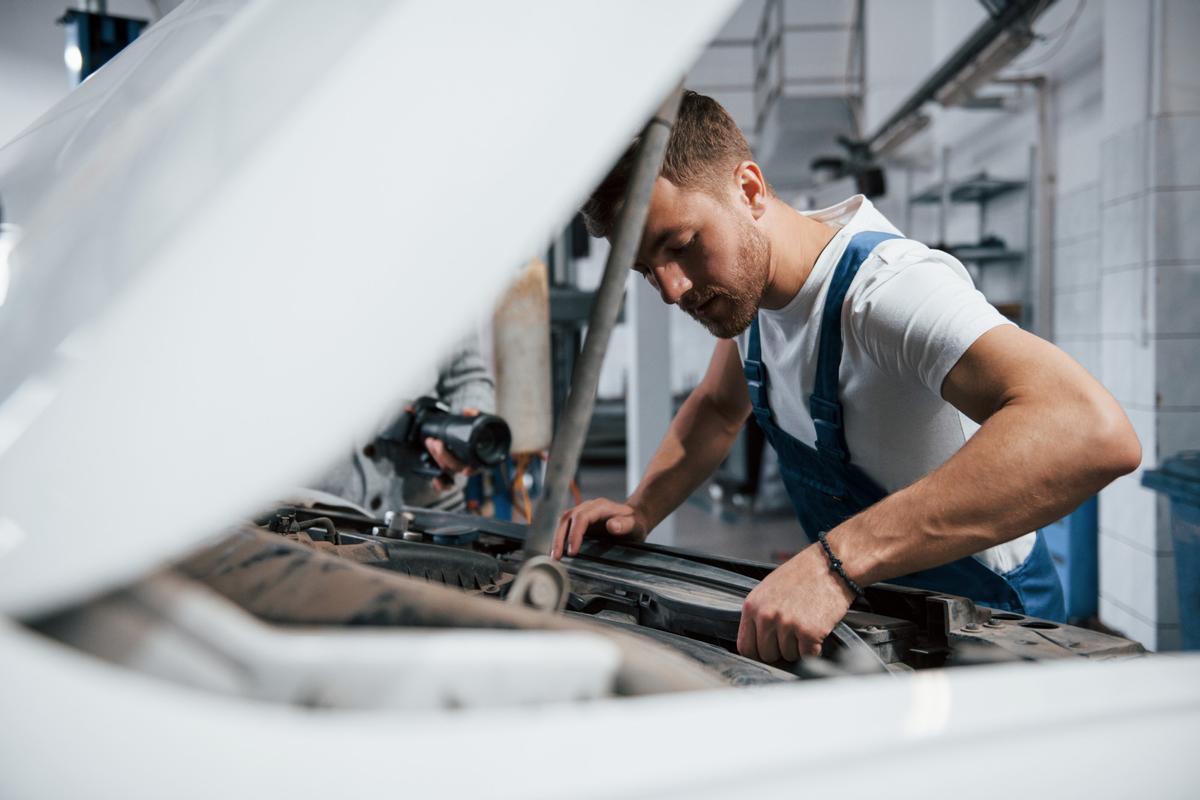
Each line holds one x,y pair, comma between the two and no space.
700,437
594,517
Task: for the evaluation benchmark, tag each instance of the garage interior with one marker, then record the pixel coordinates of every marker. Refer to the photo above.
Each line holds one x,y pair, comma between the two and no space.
1049,146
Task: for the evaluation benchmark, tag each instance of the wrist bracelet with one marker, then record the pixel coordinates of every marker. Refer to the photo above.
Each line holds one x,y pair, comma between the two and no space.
835,565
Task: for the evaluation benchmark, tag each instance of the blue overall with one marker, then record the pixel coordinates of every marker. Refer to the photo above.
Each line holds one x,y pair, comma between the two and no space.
826,488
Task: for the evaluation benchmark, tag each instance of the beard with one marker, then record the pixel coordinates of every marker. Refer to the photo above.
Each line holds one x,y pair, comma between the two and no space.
748,281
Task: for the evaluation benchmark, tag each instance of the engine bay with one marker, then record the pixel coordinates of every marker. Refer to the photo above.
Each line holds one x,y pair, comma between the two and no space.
688,601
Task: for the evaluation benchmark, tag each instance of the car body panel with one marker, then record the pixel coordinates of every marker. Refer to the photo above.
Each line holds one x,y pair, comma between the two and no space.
1048,730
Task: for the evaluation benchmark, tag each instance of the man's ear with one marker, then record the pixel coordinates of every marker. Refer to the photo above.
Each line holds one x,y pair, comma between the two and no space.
752,187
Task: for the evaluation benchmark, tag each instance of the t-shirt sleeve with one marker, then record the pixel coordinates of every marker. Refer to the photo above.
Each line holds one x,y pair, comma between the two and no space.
917,317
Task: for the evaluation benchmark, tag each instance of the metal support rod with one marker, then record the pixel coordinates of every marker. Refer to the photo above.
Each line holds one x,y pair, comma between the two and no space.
944,206
1047,191
1043,183
1017,15
572,428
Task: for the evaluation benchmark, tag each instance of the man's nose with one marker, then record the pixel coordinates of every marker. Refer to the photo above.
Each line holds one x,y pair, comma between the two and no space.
672,283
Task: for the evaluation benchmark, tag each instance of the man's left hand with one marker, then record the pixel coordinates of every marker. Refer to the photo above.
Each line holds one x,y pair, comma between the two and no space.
789,614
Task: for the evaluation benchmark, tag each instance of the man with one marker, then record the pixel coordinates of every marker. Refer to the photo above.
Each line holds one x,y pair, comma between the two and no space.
923,438
374,482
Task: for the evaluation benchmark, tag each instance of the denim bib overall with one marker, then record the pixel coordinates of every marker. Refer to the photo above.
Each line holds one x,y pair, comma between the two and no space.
826,488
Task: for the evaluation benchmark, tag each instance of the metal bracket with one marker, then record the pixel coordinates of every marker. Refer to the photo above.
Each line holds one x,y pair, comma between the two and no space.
542,584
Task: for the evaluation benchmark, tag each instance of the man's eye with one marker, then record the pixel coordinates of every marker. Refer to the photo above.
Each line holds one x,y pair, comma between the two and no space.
649,276
683,248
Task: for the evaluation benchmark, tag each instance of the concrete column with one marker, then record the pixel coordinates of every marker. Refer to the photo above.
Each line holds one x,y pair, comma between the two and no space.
648,389
1150,279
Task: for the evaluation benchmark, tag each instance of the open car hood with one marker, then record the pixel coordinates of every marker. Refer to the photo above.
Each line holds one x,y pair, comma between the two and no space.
252,189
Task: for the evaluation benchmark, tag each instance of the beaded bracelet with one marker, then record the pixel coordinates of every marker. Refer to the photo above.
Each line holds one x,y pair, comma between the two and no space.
835,565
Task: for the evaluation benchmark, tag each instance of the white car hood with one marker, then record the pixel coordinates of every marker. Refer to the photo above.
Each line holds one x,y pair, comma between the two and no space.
254,189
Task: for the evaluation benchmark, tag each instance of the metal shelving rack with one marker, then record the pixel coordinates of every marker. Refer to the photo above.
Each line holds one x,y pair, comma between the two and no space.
980,189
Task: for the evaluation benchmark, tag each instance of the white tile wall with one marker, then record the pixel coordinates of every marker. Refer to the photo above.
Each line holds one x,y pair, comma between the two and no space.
1162,526
1178,430
1149,66
1077,262
1124,158
1177,299
1166,579
1122,620
1181,92
1123,310
1077,213
1079,153
1123,233
1117,618
1129,535
1178,378
1126,509
1130,577
1128,37
1084,350
1079,102
1075,311
1127,369
1176,143
1177,224
1127,512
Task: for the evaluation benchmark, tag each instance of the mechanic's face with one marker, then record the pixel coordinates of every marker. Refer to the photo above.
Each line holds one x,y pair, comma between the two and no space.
706,255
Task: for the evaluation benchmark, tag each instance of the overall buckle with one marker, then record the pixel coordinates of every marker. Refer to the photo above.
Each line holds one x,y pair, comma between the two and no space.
827,419
756,384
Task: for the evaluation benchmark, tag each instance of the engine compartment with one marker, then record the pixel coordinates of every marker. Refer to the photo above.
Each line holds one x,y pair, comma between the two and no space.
327,607
690,601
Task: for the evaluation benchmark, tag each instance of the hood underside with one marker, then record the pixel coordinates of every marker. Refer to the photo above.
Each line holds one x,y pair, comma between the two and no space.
209,216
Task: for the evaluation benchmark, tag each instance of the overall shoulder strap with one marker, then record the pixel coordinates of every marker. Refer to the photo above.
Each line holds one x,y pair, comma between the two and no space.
824,405
755,372
754,345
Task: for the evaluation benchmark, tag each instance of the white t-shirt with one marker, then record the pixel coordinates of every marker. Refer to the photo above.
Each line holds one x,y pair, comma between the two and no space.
910,314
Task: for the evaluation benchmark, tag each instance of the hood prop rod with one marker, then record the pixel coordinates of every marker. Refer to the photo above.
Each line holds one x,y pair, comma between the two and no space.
544,581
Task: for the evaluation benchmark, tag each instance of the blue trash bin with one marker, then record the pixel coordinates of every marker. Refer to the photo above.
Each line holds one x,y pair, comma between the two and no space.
1179,479
1073,549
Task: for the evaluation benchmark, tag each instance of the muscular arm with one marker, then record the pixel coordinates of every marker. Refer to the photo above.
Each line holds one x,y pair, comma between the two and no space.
1051,436
700,436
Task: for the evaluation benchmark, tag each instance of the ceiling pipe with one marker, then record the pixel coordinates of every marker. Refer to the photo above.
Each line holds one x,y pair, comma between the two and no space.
990,47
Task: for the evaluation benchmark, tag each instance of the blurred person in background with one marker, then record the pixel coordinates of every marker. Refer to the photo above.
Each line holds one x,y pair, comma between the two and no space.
370,479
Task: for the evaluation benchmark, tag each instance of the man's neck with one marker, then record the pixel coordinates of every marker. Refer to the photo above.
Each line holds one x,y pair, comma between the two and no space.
796,244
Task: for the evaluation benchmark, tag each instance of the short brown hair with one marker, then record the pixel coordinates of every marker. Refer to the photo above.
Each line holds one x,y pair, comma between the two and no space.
705,142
